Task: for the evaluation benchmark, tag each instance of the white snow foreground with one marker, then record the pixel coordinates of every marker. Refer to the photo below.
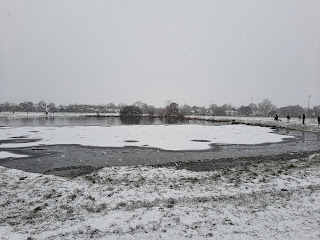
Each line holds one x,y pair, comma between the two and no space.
276,200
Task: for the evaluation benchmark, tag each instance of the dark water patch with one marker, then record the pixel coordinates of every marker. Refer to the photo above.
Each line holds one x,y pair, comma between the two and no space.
200,140
19,140
38,149
107,121
19,137
130,120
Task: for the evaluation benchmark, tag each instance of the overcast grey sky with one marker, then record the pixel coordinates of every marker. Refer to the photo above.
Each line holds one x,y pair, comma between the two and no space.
194,52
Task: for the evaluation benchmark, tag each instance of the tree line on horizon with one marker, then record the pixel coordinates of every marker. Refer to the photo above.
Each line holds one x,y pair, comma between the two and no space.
263,109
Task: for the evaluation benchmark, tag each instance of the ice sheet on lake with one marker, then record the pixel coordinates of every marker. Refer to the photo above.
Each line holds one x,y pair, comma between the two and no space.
169,137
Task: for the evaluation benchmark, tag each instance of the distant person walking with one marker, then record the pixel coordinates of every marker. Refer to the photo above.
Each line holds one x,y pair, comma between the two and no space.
288,118
318,121
303,118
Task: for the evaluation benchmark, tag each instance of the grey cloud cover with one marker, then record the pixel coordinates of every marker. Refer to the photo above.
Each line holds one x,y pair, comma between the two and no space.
192,52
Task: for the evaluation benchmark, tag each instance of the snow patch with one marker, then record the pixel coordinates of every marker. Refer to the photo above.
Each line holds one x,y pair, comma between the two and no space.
169,137
4,154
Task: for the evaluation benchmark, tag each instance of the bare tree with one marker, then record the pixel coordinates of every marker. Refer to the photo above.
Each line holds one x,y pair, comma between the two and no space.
245,110
52,107
172,110
265,107
42,106
185,110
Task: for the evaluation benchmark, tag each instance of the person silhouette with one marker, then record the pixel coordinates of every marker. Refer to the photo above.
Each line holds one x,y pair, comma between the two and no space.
303,118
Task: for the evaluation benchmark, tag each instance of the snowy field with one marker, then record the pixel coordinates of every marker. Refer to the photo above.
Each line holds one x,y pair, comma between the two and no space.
168,137
274,200
277,200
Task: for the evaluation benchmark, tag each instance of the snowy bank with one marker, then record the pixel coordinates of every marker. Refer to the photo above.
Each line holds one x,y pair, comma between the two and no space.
276,200
294,123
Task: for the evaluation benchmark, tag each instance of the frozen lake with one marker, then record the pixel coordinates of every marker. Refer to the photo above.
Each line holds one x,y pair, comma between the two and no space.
73,144
34,129
167,137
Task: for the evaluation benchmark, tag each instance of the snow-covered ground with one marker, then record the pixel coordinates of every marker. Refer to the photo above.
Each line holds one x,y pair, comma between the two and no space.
311,124
168,137
277,200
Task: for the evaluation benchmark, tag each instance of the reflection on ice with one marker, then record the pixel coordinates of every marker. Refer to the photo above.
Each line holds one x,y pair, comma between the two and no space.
170,137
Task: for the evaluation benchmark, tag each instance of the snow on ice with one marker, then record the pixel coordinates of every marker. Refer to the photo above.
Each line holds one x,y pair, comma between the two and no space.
169,137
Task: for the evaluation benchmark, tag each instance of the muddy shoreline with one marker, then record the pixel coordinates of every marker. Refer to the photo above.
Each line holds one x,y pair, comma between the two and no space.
75,160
